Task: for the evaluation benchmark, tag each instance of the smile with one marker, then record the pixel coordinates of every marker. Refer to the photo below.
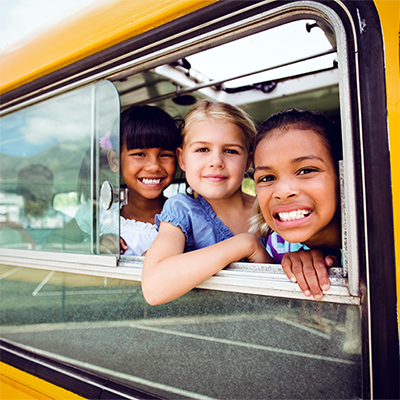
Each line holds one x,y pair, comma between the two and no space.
292,215
147,181
216,178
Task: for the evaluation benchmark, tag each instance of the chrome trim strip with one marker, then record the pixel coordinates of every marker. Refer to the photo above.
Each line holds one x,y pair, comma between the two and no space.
59,261
261,279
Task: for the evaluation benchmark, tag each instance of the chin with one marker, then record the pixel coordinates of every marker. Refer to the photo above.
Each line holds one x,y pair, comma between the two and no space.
293,237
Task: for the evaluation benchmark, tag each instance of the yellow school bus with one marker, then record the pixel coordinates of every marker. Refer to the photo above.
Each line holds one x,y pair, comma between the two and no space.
74,323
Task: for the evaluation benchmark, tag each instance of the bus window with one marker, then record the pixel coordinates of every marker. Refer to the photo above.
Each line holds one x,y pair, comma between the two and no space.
294,65
52,169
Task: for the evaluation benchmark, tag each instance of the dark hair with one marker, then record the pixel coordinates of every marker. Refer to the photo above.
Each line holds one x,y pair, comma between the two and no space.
304,120
146,127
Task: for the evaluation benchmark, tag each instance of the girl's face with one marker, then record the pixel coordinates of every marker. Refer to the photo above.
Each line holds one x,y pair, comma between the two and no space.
297,187
147,172
214,158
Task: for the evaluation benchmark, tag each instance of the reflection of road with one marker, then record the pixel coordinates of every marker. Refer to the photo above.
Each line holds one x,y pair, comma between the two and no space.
242,353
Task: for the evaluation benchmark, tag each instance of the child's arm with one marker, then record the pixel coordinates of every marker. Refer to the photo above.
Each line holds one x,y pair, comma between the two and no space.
308,269
168,273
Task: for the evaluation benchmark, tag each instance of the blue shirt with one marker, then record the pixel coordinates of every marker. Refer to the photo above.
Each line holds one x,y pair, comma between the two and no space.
197,220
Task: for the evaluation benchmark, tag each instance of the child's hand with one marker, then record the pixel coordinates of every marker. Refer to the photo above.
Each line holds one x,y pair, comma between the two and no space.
257,252
308,269
123,245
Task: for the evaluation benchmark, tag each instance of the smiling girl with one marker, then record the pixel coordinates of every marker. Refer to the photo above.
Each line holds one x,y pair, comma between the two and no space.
200,236
296,155
148,139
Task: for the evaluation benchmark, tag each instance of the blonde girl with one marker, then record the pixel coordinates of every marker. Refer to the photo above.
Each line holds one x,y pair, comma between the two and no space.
200,236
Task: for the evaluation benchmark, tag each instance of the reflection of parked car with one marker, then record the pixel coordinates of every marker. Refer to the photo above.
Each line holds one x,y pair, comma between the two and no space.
10,205
38,216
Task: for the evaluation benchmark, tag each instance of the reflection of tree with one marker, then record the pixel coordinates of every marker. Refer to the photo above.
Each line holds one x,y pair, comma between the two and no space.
63,159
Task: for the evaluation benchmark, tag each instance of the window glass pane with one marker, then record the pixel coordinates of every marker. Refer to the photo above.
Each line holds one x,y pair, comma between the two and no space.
52,168
263,51
207,343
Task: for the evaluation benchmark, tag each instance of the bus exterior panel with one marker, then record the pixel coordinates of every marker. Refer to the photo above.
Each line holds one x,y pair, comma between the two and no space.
76,318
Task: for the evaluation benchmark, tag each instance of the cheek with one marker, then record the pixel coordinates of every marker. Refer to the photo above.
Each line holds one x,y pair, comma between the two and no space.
263,196
170,167
328,197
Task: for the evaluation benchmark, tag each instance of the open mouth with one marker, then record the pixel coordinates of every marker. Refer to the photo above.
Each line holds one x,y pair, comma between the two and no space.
292,215
147,181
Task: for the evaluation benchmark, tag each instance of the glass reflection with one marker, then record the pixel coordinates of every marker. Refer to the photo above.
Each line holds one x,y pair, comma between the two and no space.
207,343
42,150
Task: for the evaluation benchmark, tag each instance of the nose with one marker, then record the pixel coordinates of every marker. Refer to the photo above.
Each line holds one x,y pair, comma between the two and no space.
285,188
153,164
216,159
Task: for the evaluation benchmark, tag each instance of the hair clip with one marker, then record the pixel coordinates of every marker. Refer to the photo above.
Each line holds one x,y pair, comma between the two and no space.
105,142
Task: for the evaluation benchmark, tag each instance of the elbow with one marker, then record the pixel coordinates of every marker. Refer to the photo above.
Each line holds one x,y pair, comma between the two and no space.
152,298
151,294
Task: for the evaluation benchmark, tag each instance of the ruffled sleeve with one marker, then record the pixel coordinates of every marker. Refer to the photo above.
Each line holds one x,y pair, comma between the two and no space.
177,210
197,220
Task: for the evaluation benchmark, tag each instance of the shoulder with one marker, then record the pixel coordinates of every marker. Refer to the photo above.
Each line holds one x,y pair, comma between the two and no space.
178,210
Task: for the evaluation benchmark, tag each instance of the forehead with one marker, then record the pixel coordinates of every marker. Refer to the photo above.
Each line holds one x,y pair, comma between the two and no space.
291,143
211,130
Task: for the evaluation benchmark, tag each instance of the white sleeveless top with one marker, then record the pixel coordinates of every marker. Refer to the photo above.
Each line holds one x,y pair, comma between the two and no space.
137,235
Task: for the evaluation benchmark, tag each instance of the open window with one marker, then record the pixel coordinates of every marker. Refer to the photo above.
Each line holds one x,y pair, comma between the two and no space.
262,68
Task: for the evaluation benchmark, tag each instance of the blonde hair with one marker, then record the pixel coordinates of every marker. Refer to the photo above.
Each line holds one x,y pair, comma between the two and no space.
258,224
220,112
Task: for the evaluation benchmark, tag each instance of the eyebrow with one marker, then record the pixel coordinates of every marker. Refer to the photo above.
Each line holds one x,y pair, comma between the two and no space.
294,161
206,143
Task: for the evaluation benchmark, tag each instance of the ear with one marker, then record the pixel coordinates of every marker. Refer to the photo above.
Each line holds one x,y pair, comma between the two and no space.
179,156
113,160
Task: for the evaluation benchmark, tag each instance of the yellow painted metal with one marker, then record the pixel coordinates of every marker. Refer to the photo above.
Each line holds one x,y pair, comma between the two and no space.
102,24
389,13
17,384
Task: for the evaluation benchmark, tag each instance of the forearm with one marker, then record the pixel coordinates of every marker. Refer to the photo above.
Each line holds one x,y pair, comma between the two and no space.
166,279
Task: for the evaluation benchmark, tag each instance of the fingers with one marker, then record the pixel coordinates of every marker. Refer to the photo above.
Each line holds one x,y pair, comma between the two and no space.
331,261
123,245
308,269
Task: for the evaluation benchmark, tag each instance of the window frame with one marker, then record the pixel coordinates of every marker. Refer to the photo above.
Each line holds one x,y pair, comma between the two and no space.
242,23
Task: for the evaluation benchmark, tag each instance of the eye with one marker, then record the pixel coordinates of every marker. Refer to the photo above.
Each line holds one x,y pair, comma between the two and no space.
202,150
308,170
168,155
266,178
231,151
137,154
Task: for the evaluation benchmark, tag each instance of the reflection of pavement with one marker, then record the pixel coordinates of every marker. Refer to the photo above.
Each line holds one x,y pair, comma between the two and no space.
274,350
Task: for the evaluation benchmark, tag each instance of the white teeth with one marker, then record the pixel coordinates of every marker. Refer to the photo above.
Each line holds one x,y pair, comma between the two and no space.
289,216
151,181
